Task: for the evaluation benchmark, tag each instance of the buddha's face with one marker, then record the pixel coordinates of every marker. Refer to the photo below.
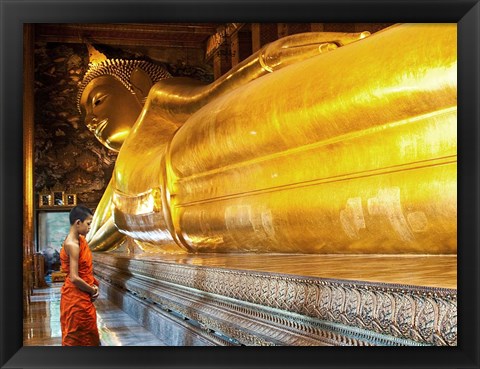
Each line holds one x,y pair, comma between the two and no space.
110,110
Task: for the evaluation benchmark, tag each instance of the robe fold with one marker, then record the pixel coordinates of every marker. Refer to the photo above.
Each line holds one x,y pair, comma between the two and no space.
78,316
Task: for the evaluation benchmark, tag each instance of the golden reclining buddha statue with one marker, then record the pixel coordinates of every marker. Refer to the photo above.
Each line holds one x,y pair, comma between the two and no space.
324,143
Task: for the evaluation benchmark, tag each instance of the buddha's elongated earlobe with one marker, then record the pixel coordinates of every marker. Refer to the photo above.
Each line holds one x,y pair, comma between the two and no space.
141,83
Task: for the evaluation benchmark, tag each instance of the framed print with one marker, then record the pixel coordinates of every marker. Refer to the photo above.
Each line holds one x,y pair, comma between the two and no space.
71,199
45,199
58,198
201,298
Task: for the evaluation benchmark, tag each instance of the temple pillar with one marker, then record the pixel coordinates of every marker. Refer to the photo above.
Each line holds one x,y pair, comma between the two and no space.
219,51
222,61
262,34
287,29
240,45
28,162
339,27
316,27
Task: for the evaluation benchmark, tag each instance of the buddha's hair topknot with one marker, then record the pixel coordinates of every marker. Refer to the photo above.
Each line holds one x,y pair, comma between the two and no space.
122,70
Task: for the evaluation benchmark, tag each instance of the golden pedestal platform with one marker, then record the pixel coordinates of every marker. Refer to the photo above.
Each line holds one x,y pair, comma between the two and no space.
277,299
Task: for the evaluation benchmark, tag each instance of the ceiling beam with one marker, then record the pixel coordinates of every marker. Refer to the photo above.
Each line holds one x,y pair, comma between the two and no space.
175,35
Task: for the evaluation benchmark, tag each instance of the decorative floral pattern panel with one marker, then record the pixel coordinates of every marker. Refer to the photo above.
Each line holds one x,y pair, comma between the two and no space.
67,155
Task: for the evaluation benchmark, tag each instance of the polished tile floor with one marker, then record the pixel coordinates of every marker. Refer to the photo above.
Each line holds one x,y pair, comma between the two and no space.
41,326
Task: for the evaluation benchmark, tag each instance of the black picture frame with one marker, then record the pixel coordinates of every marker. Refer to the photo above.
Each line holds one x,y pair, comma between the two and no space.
14,13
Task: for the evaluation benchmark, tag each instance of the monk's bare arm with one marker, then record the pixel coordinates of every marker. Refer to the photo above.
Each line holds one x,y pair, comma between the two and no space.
73,251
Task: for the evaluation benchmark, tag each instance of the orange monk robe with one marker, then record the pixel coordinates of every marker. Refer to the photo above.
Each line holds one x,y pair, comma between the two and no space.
78,316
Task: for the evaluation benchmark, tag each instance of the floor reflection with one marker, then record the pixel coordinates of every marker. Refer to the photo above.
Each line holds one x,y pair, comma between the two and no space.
41,326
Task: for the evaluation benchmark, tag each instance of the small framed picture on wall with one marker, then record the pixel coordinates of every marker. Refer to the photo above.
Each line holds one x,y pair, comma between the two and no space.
45,199
71,199
58,198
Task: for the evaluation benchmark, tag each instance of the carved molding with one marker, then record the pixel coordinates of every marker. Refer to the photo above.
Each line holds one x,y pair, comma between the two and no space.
219,38
307,311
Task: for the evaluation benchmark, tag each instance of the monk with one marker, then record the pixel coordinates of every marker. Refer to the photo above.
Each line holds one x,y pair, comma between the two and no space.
78,316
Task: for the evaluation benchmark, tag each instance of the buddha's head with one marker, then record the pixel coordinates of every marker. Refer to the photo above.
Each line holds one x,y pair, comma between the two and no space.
112,94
